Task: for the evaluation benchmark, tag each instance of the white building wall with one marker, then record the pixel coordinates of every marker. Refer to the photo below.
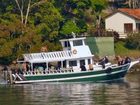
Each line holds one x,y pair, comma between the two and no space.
116,23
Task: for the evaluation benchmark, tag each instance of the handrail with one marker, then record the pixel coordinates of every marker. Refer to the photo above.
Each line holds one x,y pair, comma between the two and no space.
49,55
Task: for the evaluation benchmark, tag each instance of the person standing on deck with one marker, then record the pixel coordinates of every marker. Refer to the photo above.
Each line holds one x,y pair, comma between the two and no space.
120,60
83,68
104,61
127,60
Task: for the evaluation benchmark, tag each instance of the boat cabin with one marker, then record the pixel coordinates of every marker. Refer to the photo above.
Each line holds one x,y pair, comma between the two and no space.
75,53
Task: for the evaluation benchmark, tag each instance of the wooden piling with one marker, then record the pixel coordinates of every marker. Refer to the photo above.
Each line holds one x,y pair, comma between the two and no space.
5,75
10,77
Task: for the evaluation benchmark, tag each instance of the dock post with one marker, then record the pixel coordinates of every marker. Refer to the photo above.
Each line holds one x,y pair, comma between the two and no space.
5,75
10,77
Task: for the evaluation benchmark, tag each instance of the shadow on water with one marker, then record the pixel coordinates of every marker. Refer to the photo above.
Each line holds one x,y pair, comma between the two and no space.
122,92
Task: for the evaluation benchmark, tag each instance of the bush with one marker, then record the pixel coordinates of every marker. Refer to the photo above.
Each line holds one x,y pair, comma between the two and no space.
133,41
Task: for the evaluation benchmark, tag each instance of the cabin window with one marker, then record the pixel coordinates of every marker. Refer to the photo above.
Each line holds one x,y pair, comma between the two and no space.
64,63
82,62
40,66
77,43
66,44
72,63
89,61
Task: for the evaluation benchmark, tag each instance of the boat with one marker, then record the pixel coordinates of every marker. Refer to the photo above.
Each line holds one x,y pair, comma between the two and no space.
74,63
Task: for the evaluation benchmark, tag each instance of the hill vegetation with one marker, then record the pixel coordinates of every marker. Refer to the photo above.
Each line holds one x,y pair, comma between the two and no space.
28,25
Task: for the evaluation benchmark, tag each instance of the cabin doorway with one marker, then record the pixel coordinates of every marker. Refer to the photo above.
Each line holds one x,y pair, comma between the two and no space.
82,62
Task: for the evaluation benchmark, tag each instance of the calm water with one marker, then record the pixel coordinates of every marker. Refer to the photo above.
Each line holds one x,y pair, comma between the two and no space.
121,93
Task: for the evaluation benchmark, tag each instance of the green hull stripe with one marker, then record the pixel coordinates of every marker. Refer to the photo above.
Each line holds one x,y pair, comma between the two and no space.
77,77
92,79
70,75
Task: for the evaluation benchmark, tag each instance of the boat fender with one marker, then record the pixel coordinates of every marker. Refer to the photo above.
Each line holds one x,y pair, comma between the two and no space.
109,70
74,51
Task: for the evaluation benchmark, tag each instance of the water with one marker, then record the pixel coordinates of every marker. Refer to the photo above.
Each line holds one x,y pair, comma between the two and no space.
119,93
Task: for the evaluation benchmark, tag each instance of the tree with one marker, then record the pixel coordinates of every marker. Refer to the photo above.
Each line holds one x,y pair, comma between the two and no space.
27,25
134,3
14,42
97,7
6,6
24,6
20,4
46,19
69,27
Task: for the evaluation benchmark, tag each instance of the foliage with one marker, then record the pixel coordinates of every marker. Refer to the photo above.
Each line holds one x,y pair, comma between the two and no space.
69,27
120,49
98,5
133,41
47,21
27,25
16,40
73,13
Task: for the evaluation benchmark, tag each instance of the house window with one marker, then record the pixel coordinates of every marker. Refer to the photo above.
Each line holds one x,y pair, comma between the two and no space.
77,43
128,27
72,63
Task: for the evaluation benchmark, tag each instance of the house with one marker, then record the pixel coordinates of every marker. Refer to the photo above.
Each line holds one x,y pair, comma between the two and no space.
123,21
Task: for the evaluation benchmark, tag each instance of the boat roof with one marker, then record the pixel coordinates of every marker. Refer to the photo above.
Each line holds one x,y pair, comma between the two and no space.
82,52
53,56
71,39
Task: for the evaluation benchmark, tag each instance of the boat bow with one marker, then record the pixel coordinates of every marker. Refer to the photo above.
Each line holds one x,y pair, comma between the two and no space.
133,63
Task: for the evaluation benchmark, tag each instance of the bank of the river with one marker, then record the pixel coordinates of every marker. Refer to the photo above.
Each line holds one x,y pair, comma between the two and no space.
121,50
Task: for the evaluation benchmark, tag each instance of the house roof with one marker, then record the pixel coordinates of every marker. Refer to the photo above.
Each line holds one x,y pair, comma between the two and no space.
134,13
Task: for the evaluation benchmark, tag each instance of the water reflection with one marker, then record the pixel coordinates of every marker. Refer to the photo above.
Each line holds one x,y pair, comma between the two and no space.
120,93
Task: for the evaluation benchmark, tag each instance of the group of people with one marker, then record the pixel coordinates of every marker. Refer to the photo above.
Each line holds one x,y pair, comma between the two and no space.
120,60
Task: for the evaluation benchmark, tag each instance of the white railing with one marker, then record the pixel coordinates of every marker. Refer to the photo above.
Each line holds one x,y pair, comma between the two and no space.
49,55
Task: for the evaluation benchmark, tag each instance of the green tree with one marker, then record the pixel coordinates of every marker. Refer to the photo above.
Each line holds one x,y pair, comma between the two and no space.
6,6
27,25
97,9
73,10
46,19
16,40
69,27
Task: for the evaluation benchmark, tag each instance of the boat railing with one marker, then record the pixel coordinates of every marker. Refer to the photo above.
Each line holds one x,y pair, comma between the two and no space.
49,55
50,71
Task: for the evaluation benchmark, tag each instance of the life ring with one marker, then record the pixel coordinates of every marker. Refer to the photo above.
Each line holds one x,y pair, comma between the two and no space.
74,51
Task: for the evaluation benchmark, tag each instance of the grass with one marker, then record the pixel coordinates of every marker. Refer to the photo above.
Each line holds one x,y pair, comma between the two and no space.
121,50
